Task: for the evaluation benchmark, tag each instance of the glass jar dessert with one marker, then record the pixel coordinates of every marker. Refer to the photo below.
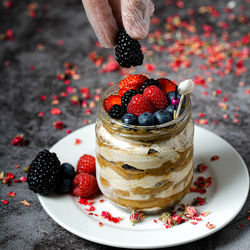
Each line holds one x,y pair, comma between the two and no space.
145,168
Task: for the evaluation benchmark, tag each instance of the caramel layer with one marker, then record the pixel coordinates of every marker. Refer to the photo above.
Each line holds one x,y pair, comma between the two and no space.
153,202
165,169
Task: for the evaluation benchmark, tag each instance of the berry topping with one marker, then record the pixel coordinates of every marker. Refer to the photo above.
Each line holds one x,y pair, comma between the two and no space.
68,171
139,104
117,111
162,116
156,97
128,50
129,119
127,97
175,102
86,164
146,119
131,82
111,101
171,96
44,173
64,186
170,109
148,83
85,185
167,85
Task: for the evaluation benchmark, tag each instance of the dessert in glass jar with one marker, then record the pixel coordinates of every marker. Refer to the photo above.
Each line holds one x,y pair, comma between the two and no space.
147,168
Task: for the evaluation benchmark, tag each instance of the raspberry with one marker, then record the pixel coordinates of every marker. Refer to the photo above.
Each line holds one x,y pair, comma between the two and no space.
156,97
127,97
128,50
131,82
117,111
86,164
85,185
139,104
148,83
167,85
111,101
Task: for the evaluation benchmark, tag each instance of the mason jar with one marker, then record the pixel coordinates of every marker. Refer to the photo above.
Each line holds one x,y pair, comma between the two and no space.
145,168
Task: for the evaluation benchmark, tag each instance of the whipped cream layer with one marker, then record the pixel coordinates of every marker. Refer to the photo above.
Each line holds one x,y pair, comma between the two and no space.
136,153
116,182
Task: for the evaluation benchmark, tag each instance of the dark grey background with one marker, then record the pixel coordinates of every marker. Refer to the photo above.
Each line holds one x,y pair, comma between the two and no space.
30,227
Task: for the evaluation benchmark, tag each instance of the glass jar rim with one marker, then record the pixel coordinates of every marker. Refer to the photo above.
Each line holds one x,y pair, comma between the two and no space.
114,89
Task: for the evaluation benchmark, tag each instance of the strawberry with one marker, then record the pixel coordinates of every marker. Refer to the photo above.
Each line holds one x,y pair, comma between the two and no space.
167,85
84,185
139,104
131,82
86,164
156,97
111,101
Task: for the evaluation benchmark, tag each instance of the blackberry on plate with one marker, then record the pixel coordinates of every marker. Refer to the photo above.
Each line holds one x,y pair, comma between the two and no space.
128,50
44,173
127,97
117,111
148,83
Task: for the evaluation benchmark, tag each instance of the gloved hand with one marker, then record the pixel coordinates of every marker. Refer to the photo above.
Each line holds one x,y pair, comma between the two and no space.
107,16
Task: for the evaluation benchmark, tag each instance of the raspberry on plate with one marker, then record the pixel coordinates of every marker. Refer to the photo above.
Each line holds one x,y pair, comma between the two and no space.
139,104
131,82
156,97
85,185
167,85
86,164
110,101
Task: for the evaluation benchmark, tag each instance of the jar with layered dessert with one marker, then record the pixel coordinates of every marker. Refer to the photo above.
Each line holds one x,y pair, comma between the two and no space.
144,168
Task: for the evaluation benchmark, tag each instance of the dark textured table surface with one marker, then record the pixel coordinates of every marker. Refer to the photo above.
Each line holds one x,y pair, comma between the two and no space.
46,34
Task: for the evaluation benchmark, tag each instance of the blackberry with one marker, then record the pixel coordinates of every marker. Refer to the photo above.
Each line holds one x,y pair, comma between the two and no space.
44,173
128,50
148,83
127,97
117,111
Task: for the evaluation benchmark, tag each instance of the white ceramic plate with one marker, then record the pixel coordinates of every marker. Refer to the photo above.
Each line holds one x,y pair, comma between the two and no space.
224,198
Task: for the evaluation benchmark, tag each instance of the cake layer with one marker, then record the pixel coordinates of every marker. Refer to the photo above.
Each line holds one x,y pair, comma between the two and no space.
129,172
140,154
153,204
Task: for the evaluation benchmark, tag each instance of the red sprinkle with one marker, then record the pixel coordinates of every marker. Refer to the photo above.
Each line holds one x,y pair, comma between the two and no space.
215,158
5,202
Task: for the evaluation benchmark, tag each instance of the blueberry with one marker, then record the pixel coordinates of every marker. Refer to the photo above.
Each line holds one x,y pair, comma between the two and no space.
146,119
170,109
171,95
68,171
64,186
129,119
163,116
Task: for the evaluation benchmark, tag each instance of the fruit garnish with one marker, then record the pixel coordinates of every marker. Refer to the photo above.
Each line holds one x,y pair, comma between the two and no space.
44,173
85,185
86,164
127,97
146,119
139,104
166,85
117,111
129,118
111,101
131,82
148,83
163,116
128,50
156,97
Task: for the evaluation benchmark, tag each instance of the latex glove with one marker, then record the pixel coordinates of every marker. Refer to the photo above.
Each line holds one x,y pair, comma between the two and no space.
107,16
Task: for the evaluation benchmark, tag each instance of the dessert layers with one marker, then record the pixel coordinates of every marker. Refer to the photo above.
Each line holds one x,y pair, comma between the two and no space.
144,175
